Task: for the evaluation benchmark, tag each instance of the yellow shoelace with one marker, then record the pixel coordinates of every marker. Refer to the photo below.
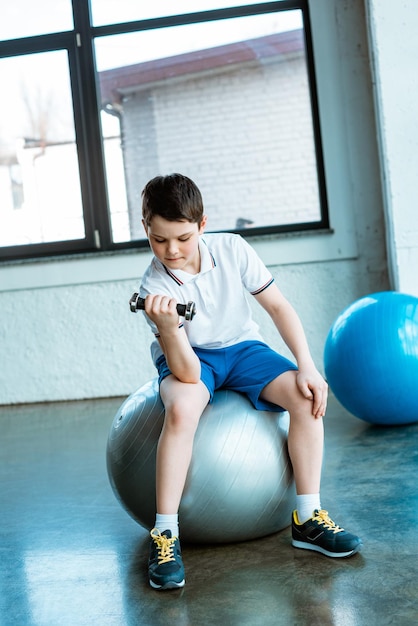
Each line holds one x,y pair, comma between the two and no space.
323,518
165,546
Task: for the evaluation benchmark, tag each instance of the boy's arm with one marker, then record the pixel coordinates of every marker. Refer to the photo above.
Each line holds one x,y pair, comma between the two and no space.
181,359
287,322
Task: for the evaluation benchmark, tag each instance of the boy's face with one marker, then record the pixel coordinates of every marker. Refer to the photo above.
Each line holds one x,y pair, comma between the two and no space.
176,244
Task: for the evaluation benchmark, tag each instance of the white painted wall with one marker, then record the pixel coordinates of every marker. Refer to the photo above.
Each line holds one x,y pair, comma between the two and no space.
65,327
394,45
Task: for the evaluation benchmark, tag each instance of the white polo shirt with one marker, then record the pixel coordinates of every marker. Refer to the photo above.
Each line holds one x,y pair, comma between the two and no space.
230,267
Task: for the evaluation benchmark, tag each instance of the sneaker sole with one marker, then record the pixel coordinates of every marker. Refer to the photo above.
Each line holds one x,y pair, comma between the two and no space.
335,555
171,584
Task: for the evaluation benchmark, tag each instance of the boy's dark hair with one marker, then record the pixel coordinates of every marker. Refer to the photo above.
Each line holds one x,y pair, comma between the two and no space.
174,197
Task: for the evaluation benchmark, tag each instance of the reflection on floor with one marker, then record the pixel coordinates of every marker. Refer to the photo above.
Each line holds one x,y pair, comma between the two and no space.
70,556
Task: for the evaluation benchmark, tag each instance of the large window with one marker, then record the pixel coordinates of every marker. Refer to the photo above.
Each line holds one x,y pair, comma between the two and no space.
100,96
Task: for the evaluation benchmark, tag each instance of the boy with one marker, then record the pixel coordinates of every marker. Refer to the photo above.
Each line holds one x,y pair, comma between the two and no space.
222,347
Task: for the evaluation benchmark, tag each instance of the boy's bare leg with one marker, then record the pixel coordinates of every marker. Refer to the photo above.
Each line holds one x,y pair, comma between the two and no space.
184,404
306,433
305,442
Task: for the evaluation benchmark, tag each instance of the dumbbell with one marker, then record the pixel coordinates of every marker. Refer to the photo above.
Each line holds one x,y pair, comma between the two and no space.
188,311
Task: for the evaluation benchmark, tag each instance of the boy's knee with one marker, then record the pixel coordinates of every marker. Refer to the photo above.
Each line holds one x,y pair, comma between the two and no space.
301,404
297,400
178,415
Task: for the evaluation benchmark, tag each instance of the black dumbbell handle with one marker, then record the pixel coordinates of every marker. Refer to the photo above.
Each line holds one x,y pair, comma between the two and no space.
188,311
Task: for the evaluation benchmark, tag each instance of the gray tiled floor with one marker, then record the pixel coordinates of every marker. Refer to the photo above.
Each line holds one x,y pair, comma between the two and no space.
70,556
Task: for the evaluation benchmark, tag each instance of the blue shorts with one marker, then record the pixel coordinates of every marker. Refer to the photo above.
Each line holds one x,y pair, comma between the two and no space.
246,367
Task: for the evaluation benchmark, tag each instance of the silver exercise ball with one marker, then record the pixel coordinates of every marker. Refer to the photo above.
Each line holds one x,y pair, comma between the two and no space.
240,483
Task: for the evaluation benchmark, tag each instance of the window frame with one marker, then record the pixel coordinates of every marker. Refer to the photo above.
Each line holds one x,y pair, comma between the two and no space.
79,44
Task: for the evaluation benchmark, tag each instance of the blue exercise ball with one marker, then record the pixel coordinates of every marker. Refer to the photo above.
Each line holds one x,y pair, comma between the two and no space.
240,483
371,358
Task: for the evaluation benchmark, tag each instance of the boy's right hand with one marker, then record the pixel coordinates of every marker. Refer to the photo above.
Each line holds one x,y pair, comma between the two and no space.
162,311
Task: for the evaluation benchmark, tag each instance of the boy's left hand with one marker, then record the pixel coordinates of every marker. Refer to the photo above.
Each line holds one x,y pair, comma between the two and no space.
313,387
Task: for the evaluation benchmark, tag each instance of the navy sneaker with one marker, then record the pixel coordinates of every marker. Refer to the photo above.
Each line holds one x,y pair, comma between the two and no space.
321,534
165,565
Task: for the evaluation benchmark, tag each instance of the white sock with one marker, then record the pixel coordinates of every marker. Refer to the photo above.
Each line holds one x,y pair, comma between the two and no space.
168,522
306,505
